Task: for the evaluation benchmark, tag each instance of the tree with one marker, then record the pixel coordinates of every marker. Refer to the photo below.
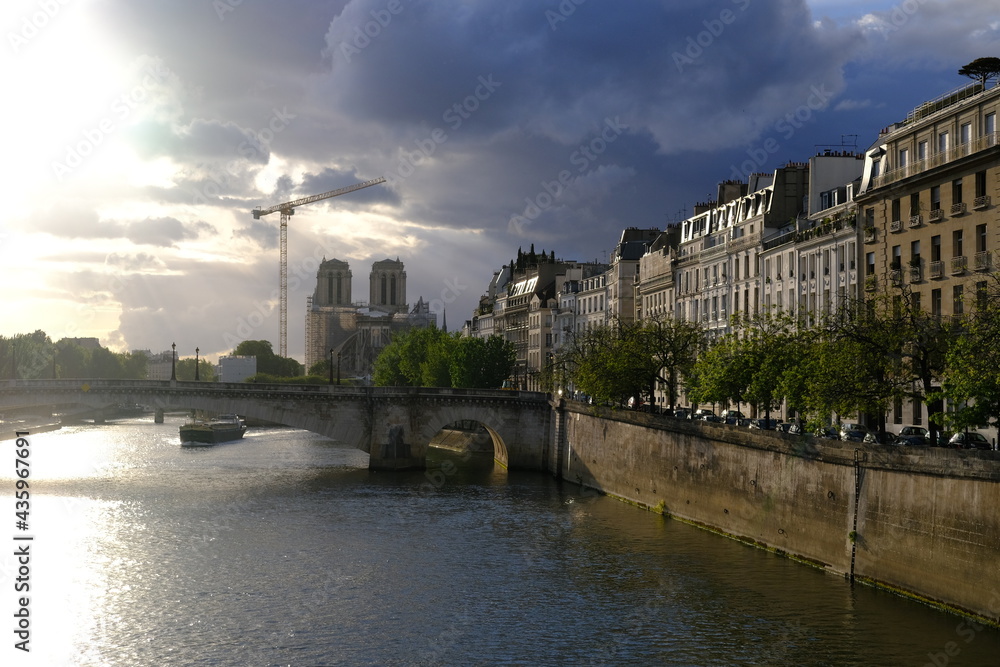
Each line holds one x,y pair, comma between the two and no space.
972,378
893,349
416,358
482,363
267,361
981,69
674,345
185,370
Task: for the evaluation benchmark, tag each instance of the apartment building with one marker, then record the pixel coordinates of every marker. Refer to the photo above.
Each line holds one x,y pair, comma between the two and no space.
930,224
927,201
810,268
718,267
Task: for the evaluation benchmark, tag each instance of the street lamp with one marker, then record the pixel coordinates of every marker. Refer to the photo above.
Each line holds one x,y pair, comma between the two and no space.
331,365
338,369
173,361
196,376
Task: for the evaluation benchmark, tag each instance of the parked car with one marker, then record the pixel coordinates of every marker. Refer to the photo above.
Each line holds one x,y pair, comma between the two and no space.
827,433
848,427
881,438
733,417
763,424
970,440
911,440
913,430
784,427
854,435
701,413
682,413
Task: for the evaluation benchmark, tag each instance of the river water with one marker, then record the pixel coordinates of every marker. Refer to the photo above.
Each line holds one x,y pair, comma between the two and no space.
283,549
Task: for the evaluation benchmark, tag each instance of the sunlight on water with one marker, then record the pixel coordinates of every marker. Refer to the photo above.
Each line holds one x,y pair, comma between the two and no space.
283,548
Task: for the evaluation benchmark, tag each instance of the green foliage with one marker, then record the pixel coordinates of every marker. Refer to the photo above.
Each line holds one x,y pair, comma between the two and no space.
268,362
981,69
430,357
972,378
185,370
629,359
34,356
481,363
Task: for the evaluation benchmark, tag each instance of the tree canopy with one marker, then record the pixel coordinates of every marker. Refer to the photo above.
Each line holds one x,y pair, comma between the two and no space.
982,69
268,362
430,357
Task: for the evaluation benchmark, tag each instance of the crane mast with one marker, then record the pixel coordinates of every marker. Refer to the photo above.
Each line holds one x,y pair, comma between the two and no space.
287,209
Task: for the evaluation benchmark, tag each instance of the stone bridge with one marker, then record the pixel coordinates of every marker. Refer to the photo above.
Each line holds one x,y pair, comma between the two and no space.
393,424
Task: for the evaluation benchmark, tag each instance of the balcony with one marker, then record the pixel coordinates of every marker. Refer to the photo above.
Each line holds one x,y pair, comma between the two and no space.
896,226
985,142
869,235
981,202
916,220
958,208
937,270
915,274
936,215
959,265
981,261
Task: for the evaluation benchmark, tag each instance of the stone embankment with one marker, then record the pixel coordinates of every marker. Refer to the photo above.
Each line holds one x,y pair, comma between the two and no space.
924,522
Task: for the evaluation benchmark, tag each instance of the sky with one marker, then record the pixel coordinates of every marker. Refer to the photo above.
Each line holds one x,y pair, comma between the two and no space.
139,135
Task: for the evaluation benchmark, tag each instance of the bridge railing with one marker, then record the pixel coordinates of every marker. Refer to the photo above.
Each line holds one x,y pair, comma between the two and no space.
151,386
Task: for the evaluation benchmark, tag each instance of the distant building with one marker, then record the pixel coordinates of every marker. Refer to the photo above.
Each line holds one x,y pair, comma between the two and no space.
357,332
159,366
234,368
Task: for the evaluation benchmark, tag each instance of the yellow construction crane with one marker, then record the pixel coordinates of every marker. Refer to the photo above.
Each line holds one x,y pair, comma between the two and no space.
287,210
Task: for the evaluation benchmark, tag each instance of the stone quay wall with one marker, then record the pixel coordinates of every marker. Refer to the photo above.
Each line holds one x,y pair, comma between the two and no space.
921,521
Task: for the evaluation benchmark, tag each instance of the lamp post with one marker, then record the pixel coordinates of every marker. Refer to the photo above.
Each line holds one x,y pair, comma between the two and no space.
197,377
173,361
338,369
331,365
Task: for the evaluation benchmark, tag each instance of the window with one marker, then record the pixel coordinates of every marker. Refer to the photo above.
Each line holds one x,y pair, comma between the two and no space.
991,123
915,252
918,412
980,184
981,238
936,248
897,257
904,157
915,301
936,302
956,243
956,191
876,168
915,204
329,288
922,150
869,217
870,264
965,133
981,294
935,197
957,296
943,141
895,209
897,411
